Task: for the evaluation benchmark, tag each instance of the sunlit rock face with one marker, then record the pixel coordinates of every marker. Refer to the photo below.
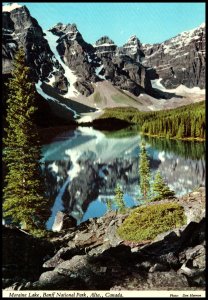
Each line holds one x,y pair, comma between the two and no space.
72,68
179,60
84,170
61,57
19,28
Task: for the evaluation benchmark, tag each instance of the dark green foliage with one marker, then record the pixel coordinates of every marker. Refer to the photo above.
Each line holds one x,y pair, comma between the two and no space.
129,114
23,193
146,222
160,188
119,200
109,204
182,122
144,172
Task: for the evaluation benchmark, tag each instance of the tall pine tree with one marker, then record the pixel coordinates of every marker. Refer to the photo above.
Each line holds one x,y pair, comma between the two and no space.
23,193
144,172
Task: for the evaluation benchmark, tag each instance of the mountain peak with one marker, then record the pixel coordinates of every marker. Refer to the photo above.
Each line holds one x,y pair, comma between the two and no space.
104,41
132,48
11,6
133,41
133,38
62,30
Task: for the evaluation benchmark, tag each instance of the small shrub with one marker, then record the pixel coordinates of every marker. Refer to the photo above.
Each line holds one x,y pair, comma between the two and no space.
146,222
40,233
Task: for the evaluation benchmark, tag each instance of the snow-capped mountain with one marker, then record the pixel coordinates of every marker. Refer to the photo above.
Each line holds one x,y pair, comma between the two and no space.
179,60
78,77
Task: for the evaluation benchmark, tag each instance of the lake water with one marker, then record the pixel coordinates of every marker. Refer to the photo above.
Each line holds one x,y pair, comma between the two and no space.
83,167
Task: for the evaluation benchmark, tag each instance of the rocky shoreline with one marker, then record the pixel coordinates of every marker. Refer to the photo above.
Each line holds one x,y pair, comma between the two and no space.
93,257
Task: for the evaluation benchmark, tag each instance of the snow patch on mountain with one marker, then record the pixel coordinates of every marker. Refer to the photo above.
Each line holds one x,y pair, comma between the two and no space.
172,45
69,74
51,76
98,70
47,97
104,44
10,7
180,89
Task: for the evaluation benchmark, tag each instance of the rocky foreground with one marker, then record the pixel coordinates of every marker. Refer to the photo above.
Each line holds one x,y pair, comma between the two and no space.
93,257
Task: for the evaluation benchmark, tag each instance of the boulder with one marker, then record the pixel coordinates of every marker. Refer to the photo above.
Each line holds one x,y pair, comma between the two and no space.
62,254
63,221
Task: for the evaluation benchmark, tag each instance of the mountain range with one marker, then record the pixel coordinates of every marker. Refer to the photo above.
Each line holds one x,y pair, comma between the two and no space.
79,79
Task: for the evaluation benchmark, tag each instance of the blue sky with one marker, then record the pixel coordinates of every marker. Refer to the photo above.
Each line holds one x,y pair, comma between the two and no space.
151,22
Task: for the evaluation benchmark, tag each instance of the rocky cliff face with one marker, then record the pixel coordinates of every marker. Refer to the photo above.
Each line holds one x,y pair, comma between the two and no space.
64,66
179,60
105,47
49,55
123,65
78,55
20,29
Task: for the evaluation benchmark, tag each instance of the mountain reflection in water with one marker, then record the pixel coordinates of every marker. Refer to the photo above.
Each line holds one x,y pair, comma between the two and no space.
83,166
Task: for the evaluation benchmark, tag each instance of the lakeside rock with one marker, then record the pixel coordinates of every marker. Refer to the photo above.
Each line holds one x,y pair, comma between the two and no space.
94,256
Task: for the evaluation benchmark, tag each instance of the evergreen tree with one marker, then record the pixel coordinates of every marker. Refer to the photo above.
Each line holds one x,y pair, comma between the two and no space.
109,204
144,172
161,188
119,200
23,193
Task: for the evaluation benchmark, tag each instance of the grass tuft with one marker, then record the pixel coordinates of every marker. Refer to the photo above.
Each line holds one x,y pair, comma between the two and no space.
146,222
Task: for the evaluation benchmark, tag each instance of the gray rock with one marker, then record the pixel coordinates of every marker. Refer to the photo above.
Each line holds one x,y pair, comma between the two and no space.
195,276
76,267
158,267
83,236
99,250
75,263
56,259
63,221
50,278
167,280
195,206
168,235
112,236
192,253
21,29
